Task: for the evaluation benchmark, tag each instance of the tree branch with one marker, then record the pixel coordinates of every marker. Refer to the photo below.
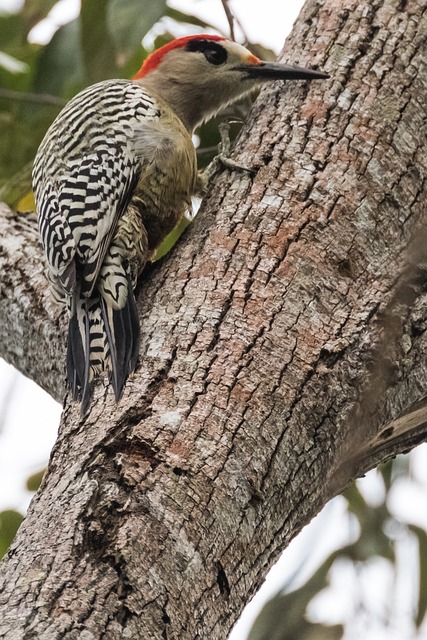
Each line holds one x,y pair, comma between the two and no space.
283,353
35,98
32,326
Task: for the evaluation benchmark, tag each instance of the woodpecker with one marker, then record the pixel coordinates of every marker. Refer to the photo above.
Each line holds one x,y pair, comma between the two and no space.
114,174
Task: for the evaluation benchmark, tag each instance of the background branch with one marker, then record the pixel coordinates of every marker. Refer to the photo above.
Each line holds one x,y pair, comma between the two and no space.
27,96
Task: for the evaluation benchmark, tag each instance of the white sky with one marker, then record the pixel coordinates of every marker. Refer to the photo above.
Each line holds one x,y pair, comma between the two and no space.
25,442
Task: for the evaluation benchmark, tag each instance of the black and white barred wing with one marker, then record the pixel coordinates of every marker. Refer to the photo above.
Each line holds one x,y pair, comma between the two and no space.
84,175
92,199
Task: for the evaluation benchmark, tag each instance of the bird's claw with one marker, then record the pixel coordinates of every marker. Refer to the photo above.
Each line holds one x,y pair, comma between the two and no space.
223,159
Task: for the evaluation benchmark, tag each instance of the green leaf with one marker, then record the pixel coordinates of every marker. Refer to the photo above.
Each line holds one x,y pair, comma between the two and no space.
35,480
356,502
172,238
60,66
22,54
386,470
21,130
283,617
265,53
372,540
12,32
422,596
130,20
9,525
99,55
17,186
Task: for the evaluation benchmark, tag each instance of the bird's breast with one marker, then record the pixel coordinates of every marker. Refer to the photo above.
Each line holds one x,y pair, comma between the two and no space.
168,164
167,177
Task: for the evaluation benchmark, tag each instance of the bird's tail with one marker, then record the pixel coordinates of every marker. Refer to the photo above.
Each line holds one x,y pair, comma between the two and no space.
101,338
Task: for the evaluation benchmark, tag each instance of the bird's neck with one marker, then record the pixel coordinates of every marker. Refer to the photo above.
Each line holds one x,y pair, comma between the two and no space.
188,105
193,103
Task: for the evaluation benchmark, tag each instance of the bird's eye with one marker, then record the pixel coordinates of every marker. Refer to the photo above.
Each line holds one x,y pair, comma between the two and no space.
217,55
214,52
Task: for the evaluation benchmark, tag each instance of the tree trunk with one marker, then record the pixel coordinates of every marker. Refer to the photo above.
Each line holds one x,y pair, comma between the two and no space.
283,354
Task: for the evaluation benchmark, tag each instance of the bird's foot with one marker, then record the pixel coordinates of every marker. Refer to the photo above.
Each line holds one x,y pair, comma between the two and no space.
222,159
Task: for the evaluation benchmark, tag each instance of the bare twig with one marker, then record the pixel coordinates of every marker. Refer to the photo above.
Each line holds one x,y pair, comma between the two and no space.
201,151
25,96
230,17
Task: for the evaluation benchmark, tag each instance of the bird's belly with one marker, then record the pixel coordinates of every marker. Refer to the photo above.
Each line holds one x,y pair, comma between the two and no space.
163,195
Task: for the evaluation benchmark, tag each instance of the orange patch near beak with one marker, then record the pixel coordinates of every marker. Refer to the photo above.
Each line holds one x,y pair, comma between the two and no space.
252,59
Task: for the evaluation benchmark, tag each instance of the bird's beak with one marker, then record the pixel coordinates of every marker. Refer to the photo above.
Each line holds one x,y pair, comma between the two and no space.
274,71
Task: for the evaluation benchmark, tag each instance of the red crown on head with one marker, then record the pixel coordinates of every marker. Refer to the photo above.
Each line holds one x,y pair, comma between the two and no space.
157,56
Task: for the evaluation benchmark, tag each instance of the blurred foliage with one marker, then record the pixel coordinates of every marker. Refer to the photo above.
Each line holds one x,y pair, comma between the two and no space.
286,617
104,41
9,525
35,82
35,480
10,519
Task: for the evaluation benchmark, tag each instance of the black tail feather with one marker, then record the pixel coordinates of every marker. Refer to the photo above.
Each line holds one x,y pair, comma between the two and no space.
76,359
122,338
122,327
88,354
134,327
78,365
115,341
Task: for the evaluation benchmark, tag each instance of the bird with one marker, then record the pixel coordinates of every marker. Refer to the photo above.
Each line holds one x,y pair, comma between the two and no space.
114,174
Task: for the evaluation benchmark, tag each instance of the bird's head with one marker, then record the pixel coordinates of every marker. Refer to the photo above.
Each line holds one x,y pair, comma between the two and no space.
199,75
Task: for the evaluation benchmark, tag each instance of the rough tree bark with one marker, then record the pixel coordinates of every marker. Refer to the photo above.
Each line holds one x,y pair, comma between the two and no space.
283,354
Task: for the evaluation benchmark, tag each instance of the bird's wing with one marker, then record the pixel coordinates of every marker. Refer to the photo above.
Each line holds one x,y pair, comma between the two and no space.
85,174
92,198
